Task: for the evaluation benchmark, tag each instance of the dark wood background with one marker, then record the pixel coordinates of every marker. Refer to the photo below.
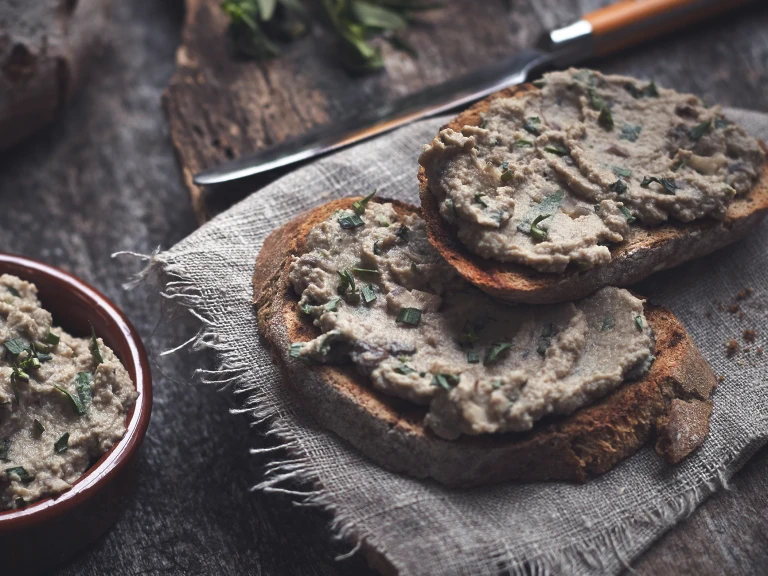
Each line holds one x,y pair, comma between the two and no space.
104,178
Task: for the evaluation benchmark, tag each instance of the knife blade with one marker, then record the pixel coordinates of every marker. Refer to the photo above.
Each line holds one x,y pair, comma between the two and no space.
598,33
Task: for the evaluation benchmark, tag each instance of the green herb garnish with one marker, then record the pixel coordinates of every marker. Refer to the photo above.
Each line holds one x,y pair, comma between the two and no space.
506,176
627,214
61,444
494,351
83,386
347,282
445,381
369,294
95,352
556,149
306,308
39,428
479,199
630,132
333,304
623,172
410,316
365,270
376,249
609,322
77,405
698,131
21,473
473,356
359,205
253,24
722,123
667,183
13,291
16,346
532,124
295,351
51,339
605,118
404,369
649,90
523,144
547,333
536,232
640,323
350,221
548,206
619,186
468,334
597,101
383,221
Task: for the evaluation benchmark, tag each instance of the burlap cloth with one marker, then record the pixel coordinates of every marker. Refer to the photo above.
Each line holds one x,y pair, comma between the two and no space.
420,527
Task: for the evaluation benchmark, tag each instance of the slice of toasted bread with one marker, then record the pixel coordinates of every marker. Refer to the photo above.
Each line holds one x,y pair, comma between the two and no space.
647,250
670,404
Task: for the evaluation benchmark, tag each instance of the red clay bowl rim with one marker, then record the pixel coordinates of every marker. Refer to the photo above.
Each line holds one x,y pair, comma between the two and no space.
114,460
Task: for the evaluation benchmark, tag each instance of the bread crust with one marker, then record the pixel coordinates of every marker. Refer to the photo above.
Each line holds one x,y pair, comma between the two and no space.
671,404
647,250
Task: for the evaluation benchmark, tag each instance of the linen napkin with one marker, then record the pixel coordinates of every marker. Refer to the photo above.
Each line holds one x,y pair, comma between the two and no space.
420,527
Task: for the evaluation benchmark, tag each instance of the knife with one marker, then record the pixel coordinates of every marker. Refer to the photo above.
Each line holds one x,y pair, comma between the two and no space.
598,33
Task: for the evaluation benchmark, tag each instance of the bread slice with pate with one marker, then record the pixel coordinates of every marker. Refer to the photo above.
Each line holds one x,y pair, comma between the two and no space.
457,407
626,179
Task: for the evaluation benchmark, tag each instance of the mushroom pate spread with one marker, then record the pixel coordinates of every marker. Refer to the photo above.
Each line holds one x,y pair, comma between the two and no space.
552,176
383,297
63,400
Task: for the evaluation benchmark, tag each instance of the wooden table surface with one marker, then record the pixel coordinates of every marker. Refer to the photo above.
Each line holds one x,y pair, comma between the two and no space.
104,178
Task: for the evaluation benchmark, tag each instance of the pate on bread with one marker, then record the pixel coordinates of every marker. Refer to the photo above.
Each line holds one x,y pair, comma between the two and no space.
669,402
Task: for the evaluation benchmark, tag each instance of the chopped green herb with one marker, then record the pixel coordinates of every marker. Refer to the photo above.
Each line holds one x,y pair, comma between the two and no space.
469,334
473,356
667,183
548,206
531,125
609,322
44,357
359,205
479,199
41,347
404,369
506,176
536,232
95,352
556,149
39,428
51,338
5,446
376,249
13,291
640,323
523,144
365,270
402,232
494,351
383,221
619,186
20,472
306,308
296,347
445,381
722,123
627,214
605,118
597,101
350,221
699,130
333,304
83,386
597,207
62,443
630,132
369,294
623,172
649,90
74,400
16,346
410,316
483,123
347,282
547,333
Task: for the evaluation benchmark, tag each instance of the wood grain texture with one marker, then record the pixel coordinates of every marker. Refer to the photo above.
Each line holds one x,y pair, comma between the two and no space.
103,178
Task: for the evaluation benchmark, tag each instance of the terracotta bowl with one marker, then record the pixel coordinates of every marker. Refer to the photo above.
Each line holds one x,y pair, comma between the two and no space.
48,532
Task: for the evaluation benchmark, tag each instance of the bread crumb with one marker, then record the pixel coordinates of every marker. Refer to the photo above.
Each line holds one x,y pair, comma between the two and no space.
731,348
749,335
733,308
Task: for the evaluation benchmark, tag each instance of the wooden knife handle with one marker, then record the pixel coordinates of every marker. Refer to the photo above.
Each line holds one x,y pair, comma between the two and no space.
632,21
